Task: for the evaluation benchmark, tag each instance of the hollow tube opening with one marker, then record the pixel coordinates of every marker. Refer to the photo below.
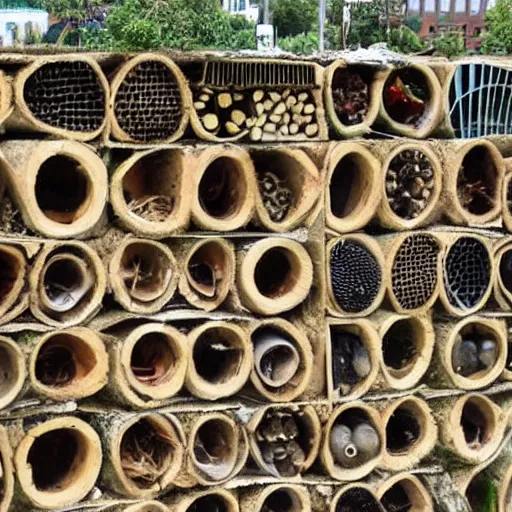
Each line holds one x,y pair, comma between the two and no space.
222,188
10,270
9,371
358,498
209,503
403,429
282,500
401,346
477,424
274,274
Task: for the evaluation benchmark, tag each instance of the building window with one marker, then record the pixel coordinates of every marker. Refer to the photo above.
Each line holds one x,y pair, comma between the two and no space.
475,6
430,5
460,5
413,5
242,5
445,6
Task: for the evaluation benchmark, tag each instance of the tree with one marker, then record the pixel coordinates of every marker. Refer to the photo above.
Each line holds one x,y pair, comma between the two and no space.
498,38
69,9
292,17
183,24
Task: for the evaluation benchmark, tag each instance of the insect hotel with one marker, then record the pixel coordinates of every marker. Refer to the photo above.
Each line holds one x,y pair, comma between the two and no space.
233,283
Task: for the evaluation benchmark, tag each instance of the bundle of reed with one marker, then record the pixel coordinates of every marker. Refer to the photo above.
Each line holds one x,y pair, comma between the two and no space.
62,95
67,284
150,101
467,273
470,354
352,95
355,280
144,452
283,497
60,187
289,187
411,101
352,187
352,358
407,345
270,100
412,264
411,432
150,193
473,182
405,492
220,359
274,275
143,275
353,442
284,440
283,360
148,364
216,451
57,461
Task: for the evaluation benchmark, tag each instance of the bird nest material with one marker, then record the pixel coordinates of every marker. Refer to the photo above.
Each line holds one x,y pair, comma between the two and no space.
151,360
55,366
355,276
155,208
146,453
409,183
351,96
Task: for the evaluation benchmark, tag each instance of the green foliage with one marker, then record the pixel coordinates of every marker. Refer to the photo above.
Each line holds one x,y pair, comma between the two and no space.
404,40
293,17
414,23
450,44
300,44
184,24
498,39
366,27
66,9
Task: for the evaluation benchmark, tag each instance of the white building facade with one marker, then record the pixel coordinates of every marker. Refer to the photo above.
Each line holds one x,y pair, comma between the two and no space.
243,7
22,24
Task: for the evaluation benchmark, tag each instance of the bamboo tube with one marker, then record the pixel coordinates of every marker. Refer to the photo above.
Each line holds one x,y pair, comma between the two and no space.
146,506
284,440
60,187
275,275
353,353
473,184
352,187
62,95
13,277
282,497
148,365
353,442
68,365
143,275
505,491
143,452
208,273
503,280
354,84
67,283
410,199
407,343
150,100
395,119
283,360
224,189
468,270
205,501
220,358
470,427
12,370
356,497
506,196
470,354
150,194
411,433
57,462
7,480
217,449
6,99
355,281
403,489
413,266
289,187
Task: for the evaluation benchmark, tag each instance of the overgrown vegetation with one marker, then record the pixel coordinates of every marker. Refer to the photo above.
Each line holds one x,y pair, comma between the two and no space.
498,38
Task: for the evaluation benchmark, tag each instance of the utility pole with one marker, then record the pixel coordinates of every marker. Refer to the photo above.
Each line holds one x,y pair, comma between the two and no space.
321,25
266,12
